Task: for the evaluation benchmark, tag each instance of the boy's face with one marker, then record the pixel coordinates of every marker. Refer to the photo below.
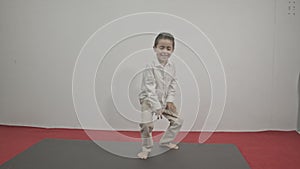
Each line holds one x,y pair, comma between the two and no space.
163,50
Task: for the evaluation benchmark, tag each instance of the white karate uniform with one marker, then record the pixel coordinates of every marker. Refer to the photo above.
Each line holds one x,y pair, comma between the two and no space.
158,87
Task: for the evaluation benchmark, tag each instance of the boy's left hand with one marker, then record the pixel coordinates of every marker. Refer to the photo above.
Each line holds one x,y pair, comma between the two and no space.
170,106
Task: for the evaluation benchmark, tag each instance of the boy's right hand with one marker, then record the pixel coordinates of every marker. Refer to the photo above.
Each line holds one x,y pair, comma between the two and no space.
159,113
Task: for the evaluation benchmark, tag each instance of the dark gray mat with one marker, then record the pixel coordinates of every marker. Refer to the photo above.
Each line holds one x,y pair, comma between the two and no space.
79,154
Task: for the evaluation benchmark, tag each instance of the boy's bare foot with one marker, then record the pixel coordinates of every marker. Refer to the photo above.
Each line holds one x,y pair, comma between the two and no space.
143,155
171,146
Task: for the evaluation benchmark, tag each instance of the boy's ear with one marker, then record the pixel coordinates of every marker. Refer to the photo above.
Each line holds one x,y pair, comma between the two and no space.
154,48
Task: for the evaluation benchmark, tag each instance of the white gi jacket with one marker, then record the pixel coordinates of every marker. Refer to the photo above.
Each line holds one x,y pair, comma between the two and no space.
158,84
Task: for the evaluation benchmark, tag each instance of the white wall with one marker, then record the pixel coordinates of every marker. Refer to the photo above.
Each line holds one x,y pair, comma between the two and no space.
257,42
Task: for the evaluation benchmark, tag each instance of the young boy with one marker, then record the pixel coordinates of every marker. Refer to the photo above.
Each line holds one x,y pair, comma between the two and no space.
158,94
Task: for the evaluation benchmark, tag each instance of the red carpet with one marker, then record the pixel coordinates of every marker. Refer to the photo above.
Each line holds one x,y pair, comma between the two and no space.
262,150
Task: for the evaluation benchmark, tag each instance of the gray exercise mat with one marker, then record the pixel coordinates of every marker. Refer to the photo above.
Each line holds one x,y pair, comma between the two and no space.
80,154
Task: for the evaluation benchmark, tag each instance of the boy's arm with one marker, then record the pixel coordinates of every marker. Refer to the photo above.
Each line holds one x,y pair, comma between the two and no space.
172,88
171,96
171,91
149,86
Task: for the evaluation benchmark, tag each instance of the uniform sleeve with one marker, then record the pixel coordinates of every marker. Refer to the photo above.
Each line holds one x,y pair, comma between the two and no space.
172,88
149,87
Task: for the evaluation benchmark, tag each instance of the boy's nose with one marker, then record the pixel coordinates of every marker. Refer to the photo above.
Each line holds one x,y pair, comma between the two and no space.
165,51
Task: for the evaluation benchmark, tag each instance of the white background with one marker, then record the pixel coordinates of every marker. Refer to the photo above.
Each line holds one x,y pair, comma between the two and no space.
258,43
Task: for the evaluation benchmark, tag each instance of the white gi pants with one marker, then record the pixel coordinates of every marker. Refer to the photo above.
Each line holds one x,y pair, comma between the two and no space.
147,127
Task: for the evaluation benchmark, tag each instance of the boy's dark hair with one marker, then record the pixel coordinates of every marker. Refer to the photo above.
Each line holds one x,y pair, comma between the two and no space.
164,35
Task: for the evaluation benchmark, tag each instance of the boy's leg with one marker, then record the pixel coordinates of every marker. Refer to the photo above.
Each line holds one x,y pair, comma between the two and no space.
146,135
172,131
146,130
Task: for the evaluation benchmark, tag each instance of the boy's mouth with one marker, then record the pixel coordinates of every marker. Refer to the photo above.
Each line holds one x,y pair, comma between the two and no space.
164,56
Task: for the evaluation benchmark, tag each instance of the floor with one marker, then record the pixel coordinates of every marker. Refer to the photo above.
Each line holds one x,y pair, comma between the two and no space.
262,150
